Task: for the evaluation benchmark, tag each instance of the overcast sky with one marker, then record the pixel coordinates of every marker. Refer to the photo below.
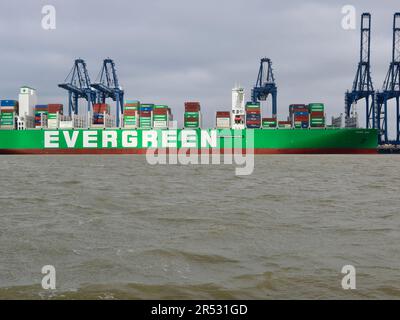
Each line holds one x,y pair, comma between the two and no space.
173,51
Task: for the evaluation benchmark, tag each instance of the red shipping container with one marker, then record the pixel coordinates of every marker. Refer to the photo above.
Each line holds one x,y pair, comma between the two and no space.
253,111
101,108
130,112
192,109
191,119
53,108
7,110
317,114
269,119
132,104
299,110
253,122
192,103
160,111
302,118
223,114
192,106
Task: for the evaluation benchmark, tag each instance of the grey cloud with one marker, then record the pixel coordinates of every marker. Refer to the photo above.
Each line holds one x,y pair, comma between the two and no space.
173,51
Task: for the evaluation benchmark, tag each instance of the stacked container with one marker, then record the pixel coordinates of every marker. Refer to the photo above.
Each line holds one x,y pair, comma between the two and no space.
223,119
192,115
161,117
317,114
9,105
145,115
131,109
99,109
299,115
8,110
54,111
269,122
253,115
41,114
7,117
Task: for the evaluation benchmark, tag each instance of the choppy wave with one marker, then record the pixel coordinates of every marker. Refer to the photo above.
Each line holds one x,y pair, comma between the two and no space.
117,228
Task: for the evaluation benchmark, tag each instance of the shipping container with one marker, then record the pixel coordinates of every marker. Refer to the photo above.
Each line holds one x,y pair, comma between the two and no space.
269,122
101,108
253,111
253,122
131,112
223,114
145,109
192,106
316,107
132,103
8,103
158,124
284,124
223,123
54,108
317,114
41,107
253,105
253,116
7,118
192,114
161,111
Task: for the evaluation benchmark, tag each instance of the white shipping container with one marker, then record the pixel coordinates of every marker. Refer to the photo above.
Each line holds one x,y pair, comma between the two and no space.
52,123
160,124
67,124
6,127
130,126
223,123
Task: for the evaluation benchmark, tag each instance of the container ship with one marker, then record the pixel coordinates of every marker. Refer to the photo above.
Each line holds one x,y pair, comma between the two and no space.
30,128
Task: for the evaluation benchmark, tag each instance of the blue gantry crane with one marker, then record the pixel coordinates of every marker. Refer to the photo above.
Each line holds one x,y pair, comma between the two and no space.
391,88
265,85
108,87
78,86
362,85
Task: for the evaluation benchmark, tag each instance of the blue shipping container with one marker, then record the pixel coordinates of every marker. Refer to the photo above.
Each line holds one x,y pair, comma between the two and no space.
146,108
302,113
253,116
8,103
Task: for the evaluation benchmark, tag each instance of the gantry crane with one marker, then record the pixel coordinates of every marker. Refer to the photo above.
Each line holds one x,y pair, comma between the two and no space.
78,86
108,87
362,85
265,85
391,88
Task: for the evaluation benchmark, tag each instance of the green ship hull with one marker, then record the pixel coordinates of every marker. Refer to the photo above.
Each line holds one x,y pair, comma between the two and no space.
138,141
